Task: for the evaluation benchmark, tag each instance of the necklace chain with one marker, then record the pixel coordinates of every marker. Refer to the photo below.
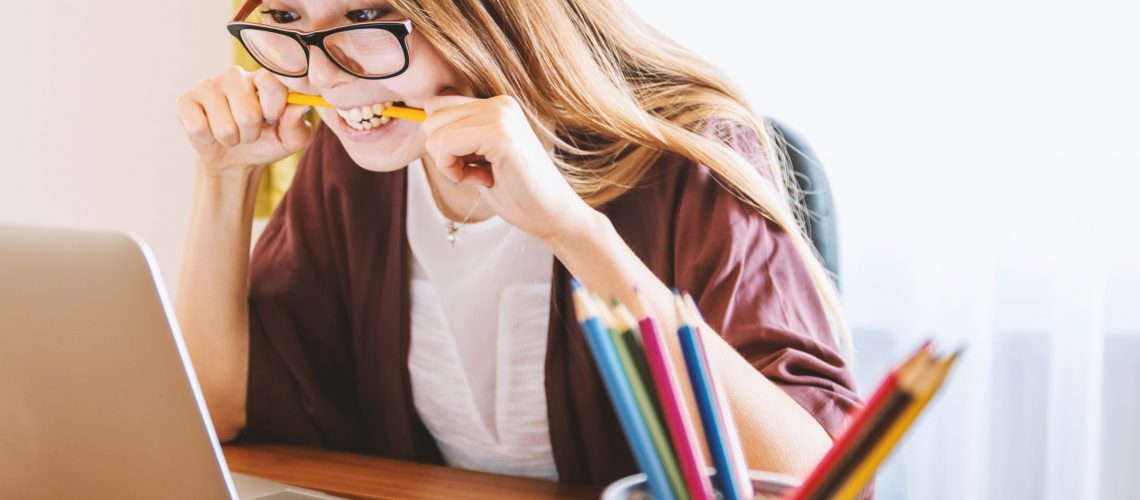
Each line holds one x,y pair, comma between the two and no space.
452,226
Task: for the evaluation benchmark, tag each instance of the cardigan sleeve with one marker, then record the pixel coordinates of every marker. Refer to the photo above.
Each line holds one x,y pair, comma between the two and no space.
295,312
753,288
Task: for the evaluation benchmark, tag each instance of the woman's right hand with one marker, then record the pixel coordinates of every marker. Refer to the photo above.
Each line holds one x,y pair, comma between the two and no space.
240,119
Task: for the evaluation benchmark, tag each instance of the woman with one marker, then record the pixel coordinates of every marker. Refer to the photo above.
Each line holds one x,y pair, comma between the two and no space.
406,302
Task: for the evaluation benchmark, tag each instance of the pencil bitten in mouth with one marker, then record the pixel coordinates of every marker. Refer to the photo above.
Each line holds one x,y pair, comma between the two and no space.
367,117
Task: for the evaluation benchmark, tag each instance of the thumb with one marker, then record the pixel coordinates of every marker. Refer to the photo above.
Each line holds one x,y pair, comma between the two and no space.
293,131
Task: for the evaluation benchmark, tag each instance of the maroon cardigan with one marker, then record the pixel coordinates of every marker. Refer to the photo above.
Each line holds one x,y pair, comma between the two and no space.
329,312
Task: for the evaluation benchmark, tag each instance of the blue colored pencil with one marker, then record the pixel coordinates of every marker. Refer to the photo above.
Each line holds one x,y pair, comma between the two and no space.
731,476
621,394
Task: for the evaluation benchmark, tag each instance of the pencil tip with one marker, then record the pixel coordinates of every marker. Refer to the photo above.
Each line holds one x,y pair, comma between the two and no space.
958,352
691,304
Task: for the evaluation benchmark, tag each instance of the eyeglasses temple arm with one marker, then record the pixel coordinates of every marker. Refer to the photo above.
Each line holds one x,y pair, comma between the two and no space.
246,8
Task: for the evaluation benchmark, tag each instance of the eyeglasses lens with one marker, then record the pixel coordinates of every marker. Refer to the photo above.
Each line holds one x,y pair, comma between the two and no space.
275,51
366,52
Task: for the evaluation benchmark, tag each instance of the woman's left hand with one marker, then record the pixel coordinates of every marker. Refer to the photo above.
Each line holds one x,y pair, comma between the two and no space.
522,183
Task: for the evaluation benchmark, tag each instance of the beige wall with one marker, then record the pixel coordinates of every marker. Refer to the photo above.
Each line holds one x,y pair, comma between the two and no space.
89,136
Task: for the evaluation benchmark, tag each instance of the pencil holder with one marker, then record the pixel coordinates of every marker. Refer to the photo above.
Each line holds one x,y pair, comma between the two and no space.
768,485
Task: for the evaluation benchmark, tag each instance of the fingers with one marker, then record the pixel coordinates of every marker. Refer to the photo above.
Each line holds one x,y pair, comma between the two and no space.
241,96
293,131
241,118
223,128
439,102
445,110
478,176
450,145
234,107
461,128
193,119
271,95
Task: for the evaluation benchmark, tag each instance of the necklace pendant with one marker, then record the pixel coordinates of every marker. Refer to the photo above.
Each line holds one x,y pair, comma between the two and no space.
452,227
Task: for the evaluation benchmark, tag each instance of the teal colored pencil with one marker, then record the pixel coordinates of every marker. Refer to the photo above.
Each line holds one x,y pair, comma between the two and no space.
621,395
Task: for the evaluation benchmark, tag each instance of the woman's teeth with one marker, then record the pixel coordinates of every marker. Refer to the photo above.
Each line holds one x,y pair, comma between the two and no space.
366,117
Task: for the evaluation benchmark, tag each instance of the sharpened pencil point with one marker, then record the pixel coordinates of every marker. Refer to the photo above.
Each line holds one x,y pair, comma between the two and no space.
958,352
692,307
575,284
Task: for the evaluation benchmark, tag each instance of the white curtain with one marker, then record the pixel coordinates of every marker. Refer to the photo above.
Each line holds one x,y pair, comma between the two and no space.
1046,402
984,158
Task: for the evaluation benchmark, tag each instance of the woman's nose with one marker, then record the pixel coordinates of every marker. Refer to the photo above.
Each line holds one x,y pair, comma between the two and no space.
323,73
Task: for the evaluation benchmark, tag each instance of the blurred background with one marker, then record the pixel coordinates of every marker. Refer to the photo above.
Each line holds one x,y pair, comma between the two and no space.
982,155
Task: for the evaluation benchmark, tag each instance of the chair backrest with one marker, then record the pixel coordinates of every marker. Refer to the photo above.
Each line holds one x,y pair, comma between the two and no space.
819,216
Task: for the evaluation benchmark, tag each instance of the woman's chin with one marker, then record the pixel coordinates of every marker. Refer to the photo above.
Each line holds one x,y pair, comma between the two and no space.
384,163
381,158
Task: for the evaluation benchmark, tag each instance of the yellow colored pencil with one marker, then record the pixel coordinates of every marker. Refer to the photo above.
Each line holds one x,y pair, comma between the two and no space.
866,470
405,113
307,100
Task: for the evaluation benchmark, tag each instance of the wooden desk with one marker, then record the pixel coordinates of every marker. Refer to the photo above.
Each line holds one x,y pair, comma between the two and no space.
360,476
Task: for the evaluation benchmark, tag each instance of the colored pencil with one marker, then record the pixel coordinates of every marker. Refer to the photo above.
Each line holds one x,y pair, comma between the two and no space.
629,350
621,394
637,369
895,406
731,475
851,464
924,390
734,449
403,112
307,100
856,430
631,336
677,417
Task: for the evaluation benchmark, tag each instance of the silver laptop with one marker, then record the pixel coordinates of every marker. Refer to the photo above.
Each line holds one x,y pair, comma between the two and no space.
98,398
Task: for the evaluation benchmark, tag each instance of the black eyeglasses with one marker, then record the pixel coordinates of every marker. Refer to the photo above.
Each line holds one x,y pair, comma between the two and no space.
373,51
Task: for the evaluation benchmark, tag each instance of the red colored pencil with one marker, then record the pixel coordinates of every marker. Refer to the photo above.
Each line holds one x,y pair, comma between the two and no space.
863,423
677,417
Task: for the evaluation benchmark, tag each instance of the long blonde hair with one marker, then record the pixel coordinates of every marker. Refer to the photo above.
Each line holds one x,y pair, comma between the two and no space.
612,94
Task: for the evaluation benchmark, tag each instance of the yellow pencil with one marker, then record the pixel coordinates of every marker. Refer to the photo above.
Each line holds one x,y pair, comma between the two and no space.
395,111
926,391
406,113
307,100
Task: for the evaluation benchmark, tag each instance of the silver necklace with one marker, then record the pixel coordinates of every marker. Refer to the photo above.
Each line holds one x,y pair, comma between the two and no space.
451,226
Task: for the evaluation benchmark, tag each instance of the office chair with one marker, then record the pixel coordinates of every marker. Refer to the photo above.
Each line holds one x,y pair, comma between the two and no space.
819,208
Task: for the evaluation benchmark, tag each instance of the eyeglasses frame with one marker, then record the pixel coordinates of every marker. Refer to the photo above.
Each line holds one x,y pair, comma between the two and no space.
399,29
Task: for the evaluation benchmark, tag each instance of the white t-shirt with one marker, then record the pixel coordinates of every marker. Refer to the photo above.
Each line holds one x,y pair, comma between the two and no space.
480,311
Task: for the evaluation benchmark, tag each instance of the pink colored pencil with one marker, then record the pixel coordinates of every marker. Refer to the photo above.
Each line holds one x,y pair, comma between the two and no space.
677,417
